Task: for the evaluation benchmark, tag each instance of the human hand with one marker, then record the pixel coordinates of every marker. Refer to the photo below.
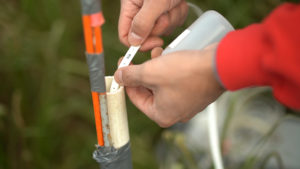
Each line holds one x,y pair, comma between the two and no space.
174,87
144,21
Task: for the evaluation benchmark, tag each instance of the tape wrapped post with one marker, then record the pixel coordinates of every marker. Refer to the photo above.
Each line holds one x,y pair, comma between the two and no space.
111,158
97,72
90,6
118,156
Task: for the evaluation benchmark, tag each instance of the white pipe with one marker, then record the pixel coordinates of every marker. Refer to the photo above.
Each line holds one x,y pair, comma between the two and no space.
117,115
198,11
212,119
214,136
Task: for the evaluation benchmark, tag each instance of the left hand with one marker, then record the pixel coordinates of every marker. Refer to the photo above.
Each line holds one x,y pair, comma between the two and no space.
142,22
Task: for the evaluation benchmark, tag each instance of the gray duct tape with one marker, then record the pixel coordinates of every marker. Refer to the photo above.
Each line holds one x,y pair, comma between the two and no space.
111,158
97,72
90,6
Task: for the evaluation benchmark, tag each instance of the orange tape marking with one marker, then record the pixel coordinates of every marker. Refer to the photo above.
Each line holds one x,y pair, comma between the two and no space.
97,19
88,34
98,121
98,36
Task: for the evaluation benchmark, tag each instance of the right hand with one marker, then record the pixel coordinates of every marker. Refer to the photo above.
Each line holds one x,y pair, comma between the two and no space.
142,22
173,87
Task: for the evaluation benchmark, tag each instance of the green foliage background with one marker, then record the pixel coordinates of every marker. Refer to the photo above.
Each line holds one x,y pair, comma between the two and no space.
46,116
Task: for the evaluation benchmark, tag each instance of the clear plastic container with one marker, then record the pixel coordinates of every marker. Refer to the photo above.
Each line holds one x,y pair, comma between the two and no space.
209,28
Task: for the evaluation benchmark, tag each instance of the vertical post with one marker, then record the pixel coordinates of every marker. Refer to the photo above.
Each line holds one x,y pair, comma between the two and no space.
113,149
92,20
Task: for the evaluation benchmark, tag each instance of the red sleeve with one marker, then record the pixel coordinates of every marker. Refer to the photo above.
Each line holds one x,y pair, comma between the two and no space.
266,54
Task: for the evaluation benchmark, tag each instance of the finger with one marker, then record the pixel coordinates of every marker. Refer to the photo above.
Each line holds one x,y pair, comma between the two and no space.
177,17
130,75
161,25
156,52
127,13
169,20
184,9
142,98
145,19
123,29
151,42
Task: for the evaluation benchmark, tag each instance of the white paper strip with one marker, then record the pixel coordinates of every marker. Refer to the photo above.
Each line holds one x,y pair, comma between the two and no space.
125,62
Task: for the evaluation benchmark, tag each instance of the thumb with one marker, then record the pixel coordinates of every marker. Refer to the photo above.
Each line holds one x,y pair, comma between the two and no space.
145,19
129,76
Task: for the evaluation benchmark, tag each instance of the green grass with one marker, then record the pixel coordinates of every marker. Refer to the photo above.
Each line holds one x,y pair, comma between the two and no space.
46,116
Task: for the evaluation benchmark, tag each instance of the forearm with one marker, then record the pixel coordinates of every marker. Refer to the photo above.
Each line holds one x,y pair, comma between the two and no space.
264,54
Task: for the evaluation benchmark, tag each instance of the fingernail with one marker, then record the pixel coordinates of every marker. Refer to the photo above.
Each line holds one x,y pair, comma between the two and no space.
119,77
134,39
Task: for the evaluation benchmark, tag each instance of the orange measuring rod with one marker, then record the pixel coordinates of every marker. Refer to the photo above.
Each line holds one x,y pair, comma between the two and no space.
94,46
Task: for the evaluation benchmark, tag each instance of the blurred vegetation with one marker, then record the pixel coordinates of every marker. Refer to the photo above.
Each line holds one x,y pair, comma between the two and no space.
46,116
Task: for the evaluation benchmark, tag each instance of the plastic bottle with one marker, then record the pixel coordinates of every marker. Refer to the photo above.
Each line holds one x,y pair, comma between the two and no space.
209,28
